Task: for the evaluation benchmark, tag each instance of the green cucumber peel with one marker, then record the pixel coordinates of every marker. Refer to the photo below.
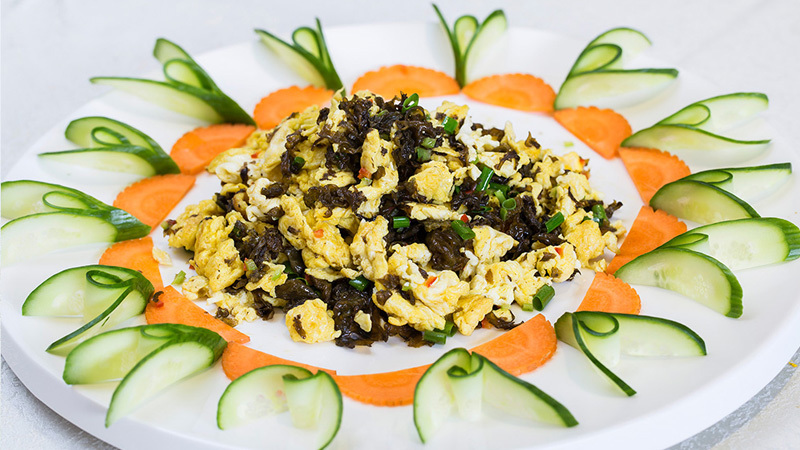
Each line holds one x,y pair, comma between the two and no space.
307,55
699,127
602,337
693,274
313,401
700,202
598,76
110,295
188,89
463,381
180,357
746,182
743,243
469,39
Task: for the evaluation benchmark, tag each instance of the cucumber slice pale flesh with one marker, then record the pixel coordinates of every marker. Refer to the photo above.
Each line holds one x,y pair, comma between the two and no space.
181,357
748,183
630,42
433,396
613,88
467,387
166,50
687,272
120,158
81,132
744,243
700,202
720,113
597,333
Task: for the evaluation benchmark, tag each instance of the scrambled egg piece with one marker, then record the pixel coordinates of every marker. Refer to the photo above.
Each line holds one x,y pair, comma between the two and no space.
433,181
497,281
311,322
195,287
418,316
273,277
406,260
490,245
363,320
377,156
471,310
369,249
443,293
161,256
423,211
215,255
185,227
325,240
557,263
239,306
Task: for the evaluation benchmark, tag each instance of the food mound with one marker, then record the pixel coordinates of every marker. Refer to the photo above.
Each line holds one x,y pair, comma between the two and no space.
375,218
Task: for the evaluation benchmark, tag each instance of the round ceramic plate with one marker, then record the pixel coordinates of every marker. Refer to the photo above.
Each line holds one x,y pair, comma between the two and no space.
676,397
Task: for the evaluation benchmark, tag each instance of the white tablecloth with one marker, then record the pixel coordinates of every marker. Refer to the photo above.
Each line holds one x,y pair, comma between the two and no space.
51,48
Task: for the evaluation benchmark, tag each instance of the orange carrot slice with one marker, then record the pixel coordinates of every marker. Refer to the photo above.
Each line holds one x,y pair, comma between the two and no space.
514,90
523,348
195,149
151,199
392,80
172,307
278,105
382,389
135,254
238,359
603,130
610,294
650,169
649,230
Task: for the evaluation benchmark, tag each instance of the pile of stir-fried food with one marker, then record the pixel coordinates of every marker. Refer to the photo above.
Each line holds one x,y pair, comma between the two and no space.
375,218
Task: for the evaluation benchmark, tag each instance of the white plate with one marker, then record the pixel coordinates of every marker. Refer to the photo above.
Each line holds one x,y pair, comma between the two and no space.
676,398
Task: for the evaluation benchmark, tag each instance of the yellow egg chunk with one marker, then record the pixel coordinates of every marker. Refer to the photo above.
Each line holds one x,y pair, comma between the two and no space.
433,181
311,323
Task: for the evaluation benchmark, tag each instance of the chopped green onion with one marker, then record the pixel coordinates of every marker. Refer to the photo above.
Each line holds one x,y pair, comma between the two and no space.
410,102
599,213
165,225
406,286
568,144
359,283
509,204
449,329
499,187
527,307
179,277
456,189
365,181
462,229
554,222
423,154
437,337
500,196
484,179
503,213
276,275
543,297
251,265
400,222
428,142
450,125
299,162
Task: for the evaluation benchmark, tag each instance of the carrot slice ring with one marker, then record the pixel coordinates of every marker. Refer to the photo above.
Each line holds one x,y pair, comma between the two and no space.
650,229
518,91
390,81
135,254
195,149
650,169
280,104
603,130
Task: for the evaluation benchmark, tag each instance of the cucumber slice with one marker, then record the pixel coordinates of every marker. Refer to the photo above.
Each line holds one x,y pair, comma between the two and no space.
467,386
522,399
313,401
48,217
183,356
695,275
306,38
720,113
127,159
180,71
700,202
166,50
106,299
111,355
256,394
598,334
744,243
464,30
433,396
81,132
748,183
598,77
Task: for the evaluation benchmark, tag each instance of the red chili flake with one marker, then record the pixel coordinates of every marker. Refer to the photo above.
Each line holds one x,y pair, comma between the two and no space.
486,324
319,233
465,218
364,173
429,282
469,191
560,251
583,161
156,302
191,266
254,155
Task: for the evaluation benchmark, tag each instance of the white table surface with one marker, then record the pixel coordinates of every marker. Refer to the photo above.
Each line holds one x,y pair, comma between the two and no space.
51,48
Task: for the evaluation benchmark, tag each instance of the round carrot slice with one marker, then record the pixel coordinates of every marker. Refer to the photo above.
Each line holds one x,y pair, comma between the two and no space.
514,90
151,199
611,295
523,348
280,104
603,130
650,229
135,254
195,149
650,169
392,80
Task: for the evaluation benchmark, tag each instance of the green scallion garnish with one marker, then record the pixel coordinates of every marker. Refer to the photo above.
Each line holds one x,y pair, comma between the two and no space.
251,265
276,275
527,307
449,329
484,179
568,144
499,195
298,163
509,204
503,213
400,222
437,337
599,213
410,102
429,142
423,154
499,187
359,283
456,189
179,277
554,222
450,125
543,297
462,229
406,286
